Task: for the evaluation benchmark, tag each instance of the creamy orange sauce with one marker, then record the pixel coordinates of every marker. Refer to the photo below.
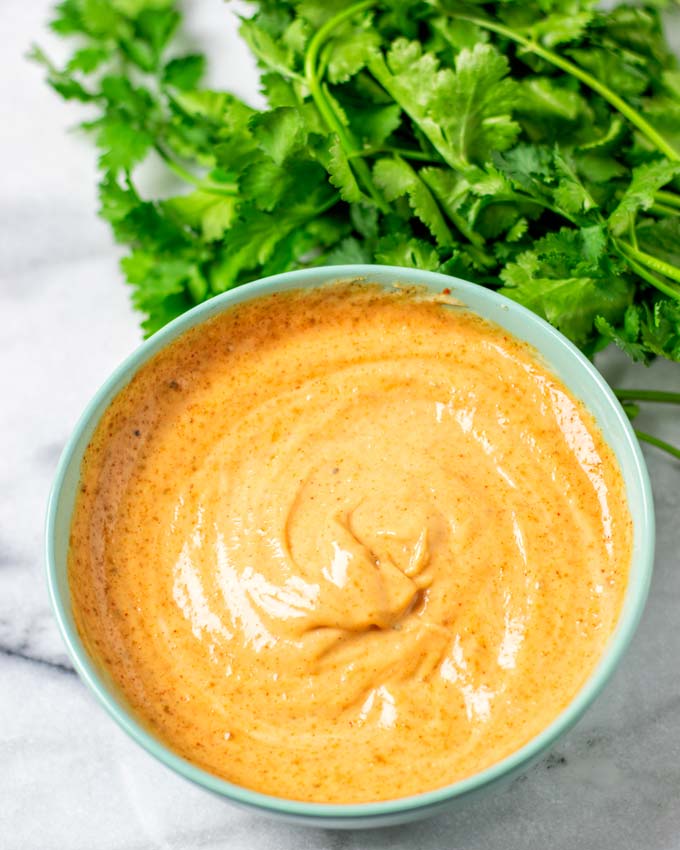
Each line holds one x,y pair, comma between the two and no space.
348,545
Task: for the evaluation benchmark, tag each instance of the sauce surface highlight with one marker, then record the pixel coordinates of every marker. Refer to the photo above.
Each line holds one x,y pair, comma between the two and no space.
345,545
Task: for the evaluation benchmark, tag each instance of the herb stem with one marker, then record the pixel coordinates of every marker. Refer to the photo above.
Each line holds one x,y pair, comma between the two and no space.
664,209
644,264
227,189
669,198
587,79
519,198
324,104
178,169
657,265
660,444
658,396
406,153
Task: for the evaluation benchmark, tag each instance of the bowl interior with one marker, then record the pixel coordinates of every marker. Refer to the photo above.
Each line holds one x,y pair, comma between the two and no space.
559,355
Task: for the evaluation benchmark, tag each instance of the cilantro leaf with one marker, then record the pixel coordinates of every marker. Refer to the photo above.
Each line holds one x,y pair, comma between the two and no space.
209,213
184,72
465,112
413,253
349,54
647,179
279,132
340,173
396,178
570,279
123,146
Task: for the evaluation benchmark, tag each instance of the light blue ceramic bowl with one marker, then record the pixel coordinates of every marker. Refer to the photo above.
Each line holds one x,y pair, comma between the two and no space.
561,356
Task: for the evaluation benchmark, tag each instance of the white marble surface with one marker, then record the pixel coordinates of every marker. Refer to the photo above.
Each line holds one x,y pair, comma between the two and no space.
69,778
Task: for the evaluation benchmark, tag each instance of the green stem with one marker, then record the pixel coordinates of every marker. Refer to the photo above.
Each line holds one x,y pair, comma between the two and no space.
518,197
669,198
660,444
652,279
587,79
322,208
406,153
381,73
228,190
658,396
643,264
474,238
664,209
325,106
656,265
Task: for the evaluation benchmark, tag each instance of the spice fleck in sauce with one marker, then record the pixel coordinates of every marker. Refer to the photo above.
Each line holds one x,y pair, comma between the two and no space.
347,545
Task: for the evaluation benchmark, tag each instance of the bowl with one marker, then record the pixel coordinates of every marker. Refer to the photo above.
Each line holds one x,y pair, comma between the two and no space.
561,357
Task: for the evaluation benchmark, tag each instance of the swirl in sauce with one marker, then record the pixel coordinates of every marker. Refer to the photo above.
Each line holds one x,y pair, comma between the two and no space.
345,544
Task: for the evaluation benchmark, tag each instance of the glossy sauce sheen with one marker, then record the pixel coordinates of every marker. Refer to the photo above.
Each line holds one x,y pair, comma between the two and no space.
348,545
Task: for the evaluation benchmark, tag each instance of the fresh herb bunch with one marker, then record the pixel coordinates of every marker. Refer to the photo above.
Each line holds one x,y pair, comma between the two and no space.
533,147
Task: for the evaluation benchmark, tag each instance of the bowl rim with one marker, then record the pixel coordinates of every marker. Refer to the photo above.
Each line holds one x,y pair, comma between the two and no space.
634,599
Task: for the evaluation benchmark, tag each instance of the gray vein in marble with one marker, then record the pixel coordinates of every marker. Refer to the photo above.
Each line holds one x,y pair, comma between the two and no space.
23,655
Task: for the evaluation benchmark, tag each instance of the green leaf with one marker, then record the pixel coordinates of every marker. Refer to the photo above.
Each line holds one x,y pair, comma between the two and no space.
396,179
637,33
465,114
157,281
550,98
184,72
660,331
124,97
156,26
364,220
219,107
123,146
341,175
141,53
598,168
116,202
267,185
271,53
528,166
517,231
249,244
474,106
647,179
625,337
661,238
569,278
133,8
413,253
623,73
349,54
279,132
372,123
571,195
263,182
99,17
647,331
296,36
278,90
458,33
68,19
348,251
568,24
209,213
87,59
